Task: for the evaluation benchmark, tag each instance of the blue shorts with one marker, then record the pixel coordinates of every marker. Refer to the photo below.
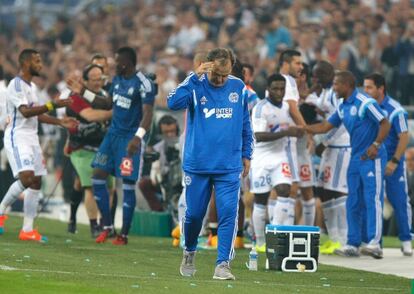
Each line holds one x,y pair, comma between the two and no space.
112,157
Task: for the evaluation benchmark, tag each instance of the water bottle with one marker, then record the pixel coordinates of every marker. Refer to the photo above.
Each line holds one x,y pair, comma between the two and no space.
253,256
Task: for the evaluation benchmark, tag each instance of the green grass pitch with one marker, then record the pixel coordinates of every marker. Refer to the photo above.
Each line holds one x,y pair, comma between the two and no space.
75,264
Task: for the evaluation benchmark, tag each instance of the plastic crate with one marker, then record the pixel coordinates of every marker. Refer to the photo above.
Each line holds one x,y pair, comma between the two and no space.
292,248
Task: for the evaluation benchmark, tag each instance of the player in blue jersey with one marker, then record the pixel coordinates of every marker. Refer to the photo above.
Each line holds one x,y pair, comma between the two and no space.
217,149
395,171
368,128
119,153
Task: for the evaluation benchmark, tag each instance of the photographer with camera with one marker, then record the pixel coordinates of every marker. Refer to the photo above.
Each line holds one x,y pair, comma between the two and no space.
84,142
166,175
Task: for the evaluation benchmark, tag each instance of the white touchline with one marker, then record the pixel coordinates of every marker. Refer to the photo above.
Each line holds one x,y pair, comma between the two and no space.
8,268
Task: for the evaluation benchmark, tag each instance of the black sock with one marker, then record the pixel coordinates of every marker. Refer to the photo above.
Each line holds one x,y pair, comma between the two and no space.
93,223
240,233
75,200
213,231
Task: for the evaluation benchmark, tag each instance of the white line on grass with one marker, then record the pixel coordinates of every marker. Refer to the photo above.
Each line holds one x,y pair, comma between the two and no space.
8,268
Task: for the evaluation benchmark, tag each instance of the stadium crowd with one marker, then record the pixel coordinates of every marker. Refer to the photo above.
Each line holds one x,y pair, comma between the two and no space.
361,37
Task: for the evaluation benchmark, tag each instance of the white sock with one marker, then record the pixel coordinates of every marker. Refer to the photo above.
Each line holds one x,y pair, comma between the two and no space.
340,207
308,211
259,222
290,220
284,211
11,196
331,219
271,209
280,211
31,201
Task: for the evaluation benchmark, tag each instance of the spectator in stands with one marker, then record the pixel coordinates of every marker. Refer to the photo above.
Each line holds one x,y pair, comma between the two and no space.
67,46
405,51
277,36
188,34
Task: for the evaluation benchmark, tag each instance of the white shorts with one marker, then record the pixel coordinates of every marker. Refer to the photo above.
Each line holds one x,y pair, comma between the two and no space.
333,169
25,157
306,170
264,178
292,154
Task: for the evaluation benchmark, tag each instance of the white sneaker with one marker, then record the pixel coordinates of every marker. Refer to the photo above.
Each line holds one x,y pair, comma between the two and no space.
374,251
406,248
347,251
222,272
187,268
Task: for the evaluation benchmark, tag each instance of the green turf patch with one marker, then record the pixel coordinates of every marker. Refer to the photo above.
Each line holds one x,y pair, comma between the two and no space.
75,264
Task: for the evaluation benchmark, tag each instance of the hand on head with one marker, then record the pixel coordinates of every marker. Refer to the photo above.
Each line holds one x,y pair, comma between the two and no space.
204,67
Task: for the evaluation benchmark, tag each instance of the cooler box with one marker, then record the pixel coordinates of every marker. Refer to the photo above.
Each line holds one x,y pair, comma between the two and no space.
292,248
151,223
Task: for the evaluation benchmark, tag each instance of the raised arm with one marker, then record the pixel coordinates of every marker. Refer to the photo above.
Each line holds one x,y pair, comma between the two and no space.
77,87
182,96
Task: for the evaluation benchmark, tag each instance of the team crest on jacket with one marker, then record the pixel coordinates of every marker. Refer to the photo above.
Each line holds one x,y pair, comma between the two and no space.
187,180
203,100
353,110
233,97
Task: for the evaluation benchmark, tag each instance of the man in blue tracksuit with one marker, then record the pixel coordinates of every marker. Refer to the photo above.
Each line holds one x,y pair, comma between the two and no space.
368,128
218,147
395,171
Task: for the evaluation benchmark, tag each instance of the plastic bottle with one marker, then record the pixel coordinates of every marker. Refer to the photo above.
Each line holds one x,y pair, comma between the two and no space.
253,257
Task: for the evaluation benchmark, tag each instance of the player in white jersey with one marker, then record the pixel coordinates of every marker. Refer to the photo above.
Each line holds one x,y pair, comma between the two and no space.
336,152
270,167
291,66
22,142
